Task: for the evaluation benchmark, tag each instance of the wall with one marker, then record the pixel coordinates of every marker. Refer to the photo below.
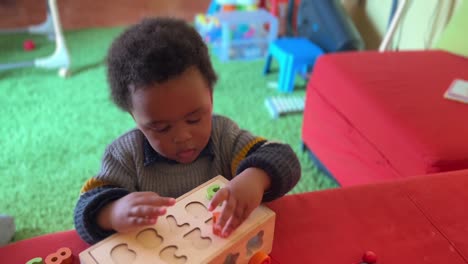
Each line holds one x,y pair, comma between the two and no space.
422,24
419,29
96,13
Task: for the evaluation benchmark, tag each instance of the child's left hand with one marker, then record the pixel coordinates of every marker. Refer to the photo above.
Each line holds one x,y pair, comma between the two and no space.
242,195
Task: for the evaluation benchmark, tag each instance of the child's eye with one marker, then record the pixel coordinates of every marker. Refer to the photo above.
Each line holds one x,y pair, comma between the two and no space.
161,129
193,121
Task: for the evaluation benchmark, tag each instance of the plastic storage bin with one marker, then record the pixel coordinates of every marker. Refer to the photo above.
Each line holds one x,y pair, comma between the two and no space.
239,35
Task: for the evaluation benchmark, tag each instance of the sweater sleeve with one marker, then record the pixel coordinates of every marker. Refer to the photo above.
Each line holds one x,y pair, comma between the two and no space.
280,162
245,150
87,209
115,180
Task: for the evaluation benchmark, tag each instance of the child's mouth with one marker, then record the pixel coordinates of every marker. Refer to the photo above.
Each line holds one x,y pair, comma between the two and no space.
186,154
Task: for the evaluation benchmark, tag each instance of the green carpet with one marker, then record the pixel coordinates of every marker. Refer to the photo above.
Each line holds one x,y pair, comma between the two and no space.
54,131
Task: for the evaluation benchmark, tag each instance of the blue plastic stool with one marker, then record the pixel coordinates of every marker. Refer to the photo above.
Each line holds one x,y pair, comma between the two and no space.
295,55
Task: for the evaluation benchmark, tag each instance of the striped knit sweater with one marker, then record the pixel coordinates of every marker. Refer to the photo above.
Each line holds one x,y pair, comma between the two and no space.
130,164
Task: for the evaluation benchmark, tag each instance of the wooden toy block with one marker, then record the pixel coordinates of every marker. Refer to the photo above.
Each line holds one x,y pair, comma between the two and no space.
185,235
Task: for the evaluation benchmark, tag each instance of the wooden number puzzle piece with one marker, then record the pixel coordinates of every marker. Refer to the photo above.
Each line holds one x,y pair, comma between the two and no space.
62,256
35,261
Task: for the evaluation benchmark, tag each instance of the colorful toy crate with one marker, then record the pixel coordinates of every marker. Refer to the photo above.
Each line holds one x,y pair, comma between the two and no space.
239,34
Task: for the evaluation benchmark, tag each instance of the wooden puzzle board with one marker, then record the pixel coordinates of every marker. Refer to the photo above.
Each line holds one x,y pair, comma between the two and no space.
184,235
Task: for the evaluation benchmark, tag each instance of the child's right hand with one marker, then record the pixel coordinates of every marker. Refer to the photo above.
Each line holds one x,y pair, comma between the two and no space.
134,210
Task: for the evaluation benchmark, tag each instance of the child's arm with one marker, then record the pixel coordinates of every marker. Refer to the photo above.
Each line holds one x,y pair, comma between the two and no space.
134,210
110,202
263,171
242,195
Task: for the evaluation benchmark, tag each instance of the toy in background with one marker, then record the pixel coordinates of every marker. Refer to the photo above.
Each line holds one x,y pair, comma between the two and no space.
285,11
238,34
232,5
51,27
29,45
322,26
279,9
209,28
279,106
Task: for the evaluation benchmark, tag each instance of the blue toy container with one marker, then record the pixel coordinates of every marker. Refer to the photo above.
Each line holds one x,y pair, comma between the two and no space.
244,34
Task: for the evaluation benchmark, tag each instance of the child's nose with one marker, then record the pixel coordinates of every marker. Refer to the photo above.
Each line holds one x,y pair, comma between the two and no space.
182,136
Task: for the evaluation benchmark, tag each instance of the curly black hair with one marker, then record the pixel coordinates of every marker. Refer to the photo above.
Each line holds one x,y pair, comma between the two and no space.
154,51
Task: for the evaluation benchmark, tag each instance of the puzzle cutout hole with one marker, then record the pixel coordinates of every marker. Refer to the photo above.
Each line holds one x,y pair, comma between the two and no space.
198,241
169,255
149,238
175,227
231,258
209,221
197,210
255,243
121,254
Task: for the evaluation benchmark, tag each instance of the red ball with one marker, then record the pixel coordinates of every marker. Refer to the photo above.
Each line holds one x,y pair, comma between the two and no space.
369,257
29,45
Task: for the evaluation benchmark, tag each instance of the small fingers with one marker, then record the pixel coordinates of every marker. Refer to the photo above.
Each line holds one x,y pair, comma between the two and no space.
149,198
218,198
227,213
141,221
234,221
164,201
145,215
147,211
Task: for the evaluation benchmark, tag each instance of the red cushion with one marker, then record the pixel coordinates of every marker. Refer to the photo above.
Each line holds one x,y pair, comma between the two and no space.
402,222
443,199
394,100
399,221
350,157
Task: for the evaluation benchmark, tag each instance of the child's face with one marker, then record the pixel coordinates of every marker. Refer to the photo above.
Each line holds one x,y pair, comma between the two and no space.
175,116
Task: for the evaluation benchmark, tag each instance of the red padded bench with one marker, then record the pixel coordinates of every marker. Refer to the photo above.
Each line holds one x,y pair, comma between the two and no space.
416,220
371,117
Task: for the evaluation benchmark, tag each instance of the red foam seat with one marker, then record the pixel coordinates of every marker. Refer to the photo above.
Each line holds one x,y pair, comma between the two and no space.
385,113
415,220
